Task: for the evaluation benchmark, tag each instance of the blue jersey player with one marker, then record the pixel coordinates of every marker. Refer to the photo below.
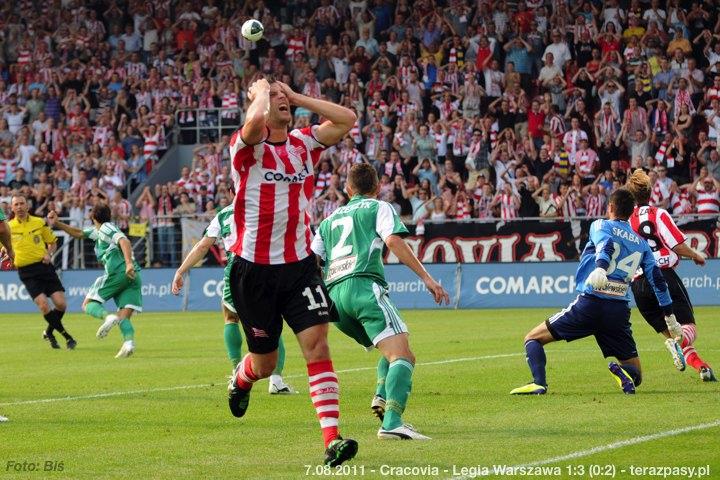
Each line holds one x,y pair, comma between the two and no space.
607,265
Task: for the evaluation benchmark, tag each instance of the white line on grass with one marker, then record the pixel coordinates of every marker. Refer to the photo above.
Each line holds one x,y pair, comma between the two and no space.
205,385
625,443
612,446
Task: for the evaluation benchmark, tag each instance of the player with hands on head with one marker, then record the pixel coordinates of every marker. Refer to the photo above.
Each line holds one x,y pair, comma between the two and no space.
273,275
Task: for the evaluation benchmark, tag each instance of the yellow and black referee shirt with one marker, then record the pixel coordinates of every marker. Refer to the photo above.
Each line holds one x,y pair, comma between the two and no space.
29,239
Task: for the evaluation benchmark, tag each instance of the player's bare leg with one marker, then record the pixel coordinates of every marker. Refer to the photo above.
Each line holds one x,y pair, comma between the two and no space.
535,341
251,368
325,393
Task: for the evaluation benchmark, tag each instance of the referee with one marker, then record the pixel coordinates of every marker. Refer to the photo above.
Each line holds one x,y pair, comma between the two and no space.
34,243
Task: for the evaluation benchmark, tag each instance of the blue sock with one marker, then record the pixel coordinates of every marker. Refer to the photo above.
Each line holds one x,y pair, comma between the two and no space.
535,355
633,372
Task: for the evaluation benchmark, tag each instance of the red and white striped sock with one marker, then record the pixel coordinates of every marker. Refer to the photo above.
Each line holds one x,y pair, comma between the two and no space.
325,395
245,376
691,356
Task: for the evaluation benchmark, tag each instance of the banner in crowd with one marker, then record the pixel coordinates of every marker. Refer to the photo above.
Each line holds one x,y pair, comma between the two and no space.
506,285
528,241
192,232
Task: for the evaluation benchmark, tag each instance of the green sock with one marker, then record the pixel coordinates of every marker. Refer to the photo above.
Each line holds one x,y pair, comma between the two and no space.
96,310
281,358
127,330
233,343
398,385
382,371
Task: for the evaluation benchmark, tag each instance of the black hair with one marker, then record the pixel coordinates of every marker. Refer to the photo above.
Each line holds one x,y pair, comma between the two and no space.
101,213
363,179
624,203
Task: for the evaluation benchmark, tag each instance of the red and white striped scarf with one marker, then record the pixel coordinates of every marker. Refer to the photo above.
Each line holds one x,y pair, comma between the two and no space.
661,121
462,210
663,155
595,205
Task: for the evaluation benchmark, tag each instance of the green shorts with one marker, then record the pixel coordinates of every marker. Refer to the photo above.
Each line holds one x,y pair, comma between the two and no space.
116,286
226,295
365,311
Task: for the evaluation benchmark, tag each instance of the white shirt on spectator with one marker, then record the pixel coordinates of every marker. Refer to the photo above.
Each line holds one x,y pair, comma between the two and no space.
561,53
342,70
26,153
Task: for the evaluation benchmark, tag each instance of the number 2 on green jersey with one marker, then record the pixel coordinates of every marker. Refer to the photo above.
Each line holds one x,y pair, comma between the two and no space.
341,249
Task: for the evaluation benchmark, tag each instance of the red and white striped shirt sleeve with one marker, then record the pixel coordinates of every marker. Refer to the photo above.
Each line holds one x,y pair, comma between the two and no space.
669,233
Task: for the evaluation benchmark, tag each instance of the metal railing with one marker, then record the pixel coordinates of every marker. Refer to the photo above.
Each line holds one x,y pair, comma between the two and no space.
160,242
203,125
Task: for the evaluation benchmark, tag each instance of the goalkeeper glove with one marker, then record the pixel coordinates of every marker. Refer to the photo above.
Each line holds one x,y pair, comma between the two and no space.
598,278
674,327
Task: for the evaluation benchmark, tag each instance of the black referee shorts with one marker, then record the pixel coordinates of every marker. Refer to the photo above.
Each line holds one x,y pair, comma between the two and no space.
265,294
648,304
40,278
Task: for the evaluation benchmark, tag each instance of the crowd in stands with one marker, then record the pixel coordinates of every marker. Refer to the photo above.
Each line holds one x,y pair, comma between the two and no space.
467,108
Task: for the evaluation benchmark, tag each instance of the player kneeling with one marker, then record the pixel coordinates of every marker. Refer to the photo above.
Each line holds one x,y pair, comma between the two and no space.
351,243
607,265
121,281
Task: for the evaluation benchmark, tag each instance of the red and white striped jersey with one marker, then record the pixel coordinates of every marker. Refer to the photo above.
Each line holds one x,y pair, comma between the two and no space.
295,45
7,168
274,185
707,202
657,227
508,209
595,205
230,100
680,202
151,144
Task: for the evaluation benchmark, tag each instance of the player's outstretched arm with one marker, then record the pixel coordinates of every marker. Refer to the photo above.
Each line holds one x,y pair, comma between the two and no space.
402,251
5,241
197,253
340,120
685,250
53,221
254,128
126,249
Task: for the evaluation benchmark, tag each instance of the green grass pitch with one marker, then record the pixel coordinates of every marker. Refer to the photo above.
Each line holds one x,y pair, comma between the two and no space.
163,412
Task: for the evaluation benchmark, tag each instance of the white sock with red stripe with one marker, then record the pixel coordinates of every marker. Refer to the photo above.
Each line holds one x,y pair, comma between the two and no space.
691,356
245,375
325,395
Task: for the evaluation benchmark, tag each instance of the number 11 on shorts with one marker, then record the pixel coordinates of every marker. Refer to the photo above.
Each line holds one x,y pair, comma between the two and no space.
312,304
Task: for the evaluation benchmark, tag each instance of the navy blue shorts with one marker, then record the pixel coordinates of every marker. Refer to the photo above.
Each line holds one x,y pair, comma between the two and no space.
607,320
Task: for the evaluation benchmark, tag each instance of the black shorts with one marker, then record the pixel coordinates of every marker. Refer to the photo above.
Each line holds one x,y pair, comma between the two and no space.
607,320
648,304
265,294
40,278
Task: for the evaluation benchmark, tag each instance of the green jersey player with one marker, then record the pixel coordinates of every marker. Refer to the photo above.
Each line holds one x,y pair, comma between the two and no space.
121,281
219,229
351,241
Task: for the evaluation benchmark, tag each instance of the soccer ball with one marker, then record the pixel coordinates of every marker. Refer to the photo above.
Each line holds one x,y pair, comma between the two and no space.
252,30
